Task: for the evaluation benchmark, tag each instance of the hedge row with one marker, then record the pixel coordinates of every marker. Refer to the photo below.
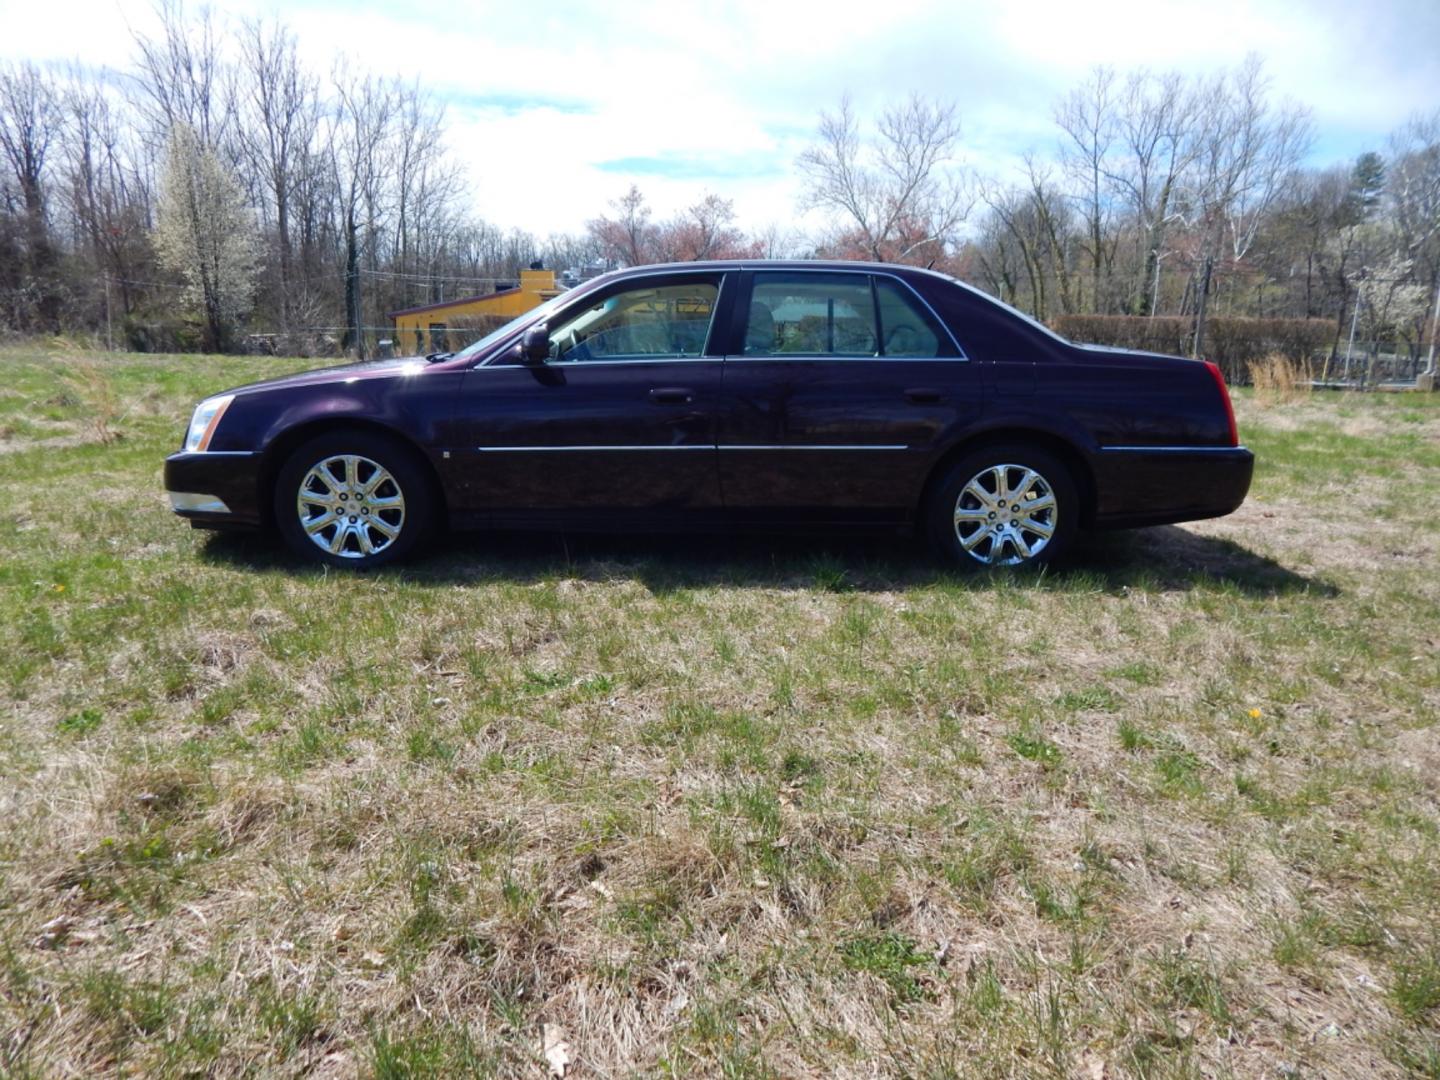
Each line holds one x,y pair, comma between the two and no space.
1233,343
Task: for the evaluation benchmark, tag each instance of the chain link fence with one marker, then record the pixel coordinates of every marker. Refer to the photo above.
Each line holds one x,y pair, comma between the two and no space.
1370,364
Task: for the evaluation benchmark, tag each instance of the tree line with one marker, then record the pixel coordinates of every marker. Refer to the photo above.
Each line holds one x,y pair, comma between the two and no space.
218,189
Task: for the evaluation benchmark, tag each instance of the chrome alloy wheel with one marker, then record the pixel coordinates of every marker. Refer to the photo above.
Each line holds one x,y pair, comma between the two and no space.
1006,514
350,506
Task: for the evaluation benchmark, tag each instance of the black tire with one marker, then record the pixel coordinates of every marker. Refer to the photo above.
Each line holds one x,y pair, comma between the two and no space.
972,541
413,518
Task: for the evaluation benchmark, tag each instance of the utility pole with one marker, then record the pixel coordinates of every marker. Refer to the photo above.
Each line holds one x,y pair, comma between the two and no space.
1354,314
1200,314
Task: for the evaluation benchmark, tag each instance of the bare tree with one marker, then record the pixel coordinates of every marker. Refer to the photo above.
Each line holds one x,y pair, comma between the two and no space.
628,238
182,78
1247,150
1087,118
1155,121
279,109
108,194
30,122
703,231
361,124
777,242
561,251
426,184
896,196
1414,181
711,224
1020,232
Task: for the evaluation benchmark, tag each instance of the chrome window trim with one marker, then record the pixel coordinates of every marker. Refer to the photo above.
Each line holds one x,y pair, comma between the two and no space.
829,358
689,446
587,449
761,268
1173,449
812,446
777,357
570,364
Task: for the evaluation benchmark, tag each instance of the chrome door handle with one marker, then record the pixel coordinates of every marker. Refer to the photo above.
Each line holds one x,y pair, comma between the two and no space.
924,395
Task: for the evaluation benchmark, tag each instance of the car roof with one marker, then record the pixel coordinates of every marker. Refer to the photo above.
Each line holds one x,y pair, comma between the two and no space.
851,265
776,264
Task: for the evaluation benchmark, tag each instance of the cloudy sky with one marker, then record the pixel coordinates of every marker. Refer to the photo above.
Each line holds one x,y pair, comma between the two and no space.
556,107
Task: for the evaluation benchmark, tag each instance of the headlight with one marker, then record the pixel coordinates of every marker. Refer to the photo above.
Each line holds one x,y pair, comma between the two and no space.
205,421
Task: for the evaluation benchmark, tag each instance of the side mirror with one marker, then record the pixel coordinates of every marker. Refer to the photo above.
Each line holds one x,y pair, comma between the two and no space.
535,345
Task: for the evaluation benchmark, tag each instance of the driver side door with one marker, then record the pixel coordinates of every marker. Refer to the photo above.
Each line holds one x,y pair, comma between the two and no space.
620,418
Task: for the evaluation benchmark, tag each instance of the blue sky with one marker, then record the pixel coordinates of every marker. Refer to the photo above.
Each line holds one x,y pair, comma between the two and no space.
555,108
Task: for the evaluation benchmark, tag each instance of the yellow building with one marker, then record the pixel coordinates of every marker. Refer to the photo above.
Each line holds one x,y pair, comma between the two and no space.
426,329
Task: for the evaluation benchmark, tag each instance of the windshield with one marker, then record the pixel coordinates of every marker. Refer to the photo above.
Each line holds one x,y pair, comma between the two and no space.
496,336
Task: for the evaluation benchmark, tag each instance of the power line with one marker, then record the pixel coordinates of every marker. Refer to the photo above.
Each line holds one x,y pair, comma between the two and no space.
432,277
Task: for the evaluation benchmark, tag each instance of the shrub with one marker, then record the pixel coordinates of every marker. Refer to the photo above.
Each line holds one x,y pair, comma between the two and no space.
163,334
88,381
467,329
1233,343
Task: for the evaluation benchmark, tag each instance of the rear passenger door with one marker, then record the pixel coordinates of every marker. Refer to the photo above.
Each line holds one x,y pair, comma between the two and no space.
838,391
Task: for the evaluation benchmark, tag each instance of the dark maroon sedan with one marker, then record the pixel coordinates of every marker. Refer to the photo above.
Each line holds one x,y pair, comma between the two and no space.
714,395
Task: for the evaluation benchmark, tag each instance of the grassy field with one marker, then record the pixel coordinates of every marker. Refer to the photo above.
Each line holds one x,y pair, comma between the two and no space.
715,807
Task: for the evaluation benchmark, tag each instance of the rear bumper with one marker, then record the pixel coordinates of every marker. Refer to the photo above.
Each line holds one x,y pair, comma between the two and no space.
1161,485
215,490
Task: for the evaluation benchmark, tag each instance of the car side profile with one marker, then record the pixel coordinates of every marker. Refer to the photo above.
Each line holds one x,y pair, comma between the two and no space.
813,395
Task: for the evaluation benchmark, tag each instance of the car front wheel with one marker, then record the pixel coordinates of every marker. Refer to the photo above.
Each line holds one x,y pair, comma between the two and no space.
1011,505
353,499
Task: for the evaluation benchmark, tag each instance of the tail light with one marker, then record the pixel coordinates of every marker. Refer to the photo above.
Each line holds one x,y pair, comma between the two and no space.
1225,397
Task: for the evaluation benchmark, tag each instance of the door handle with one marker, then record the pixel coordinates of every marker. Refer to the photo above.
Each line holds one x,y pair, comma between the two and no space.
672,395
924,395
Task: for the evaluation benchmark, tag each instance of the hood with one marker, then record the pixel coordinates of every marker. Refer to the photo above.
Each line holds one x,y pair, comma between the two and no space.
369,369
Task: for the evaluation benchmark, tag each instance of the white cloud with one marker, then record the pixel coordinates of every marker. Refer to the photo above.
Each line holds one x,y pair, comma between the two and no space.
544,99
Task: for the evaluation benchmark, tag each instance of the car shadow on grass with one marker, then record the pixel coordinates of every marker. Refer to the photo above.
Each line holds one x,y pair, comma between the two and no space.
1160,559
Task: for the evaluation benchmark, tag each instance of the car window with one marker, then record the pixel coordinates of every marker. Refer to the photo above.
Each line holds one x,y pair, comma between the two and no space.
904,330
534,315
657,322
811,315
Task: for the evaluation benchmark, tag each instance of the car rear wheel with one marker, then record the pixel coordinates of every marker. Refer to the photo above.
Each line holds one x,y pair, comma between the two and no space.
353,499
1004,505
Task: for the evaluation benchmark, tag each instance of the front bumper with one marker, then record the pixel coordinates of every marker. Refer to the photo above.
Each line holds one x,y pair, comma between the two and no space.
1161,485
216,489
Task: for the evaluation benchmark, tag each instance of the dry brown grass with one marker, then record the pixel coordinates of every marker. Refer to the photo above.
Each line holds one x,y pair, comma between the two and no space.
1279,380
95,398
728,808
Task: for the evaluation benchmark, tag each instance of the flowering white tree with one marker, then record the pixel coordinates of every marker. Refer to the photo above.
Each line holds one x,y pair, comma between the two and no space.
206,233
1391,301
